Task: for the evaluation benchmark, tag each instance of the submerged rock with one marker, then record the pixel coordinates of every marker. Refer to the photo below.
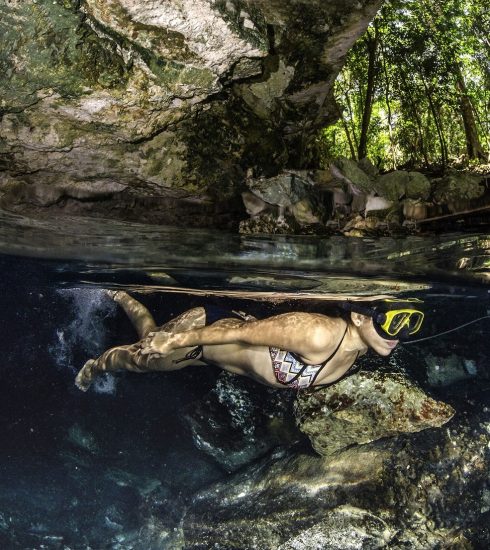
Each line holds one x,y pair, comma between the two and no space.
346,527
240,421
366,407
415,491
278,499
83,439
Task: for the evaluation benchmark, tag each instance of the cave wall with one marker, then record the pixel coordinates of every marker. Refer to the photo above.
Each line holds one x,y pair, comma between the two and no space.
174,99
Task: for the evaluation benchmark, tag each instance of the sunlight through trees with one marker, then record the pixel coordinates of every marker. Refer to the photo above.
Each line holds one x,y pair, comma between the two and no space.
416,88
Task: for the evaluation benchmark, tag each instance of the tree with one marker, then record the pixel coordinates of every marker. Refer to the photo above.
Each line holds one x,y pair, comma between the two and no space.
371,40
424,68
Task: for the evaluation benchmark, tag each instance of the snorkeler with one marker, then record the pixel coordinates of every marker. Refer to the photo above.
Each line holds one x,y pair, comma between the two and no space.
295,350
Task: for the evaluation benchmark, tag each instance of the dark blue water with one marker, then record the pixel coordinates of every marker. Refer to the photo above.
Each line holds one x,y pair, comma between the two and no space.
117,467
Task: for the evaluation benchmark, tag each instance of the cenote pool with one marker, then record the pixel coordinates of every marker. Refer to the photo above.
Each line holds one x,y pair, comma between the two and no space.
395,456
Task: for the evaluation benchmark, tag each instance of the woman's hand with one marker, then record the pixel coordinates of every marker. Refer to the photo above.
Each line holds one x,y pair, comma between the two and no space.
160,343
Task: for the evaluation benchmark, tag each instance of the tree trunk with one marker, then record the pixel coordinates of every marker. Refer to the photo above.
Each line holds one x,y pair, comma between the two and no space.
350,110
388,107
416,116
372,47
347,134
473,145
437,121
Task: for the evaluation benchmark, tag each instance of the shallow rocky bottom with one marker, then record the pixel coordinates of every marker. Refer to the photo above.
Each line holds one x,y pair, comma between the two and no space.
96,490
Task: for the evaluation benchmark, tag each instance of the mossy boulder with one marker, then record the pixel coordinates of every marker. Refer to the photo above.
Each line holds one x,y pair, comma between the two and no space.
458,186
398,184
364,408
350,169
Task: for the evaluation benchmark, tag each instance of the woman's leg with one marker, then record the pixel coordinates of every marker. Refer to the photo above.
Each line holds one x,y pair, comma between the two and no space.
141,318
130,358
118,358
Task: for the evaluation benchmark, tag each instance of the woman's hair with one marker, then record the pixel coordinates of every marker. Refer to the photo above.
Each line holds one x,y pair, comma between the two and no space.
335,309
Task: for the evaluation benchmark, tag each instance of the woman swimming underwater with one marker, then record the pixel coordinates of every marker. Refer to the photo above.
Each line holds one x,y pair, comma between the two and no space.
296,350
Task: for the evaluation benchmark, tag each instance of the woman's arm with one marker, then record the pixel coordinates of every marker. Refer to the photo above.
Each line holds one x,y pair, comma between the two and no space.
309,335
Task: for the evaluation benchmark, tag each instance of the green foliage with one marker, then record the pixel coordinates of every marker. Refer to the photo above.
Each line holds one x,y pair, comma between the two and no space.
431,99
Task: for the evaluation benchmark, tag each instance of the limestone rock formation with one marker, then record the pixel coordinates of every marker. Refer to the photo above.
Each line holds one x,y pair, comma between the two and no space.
286,203
182,95
284,190
417,491
364,408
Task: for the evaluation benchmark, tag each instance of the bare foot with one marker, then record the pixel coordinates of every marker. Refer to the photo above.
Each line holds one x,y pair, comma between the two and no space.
86,375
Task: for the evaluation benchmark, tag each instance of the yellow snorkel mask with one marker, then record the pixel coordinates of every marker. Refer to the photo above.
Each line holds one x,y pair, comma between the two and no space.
393,319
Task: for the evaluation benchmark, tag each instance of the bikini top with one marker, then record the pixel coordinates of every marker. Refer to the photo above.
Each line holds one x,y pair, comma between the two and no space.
291,371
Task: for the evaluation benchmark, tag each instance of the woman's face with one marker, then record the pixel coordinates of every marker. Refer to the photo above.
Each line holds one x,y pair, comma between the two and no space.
372,339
